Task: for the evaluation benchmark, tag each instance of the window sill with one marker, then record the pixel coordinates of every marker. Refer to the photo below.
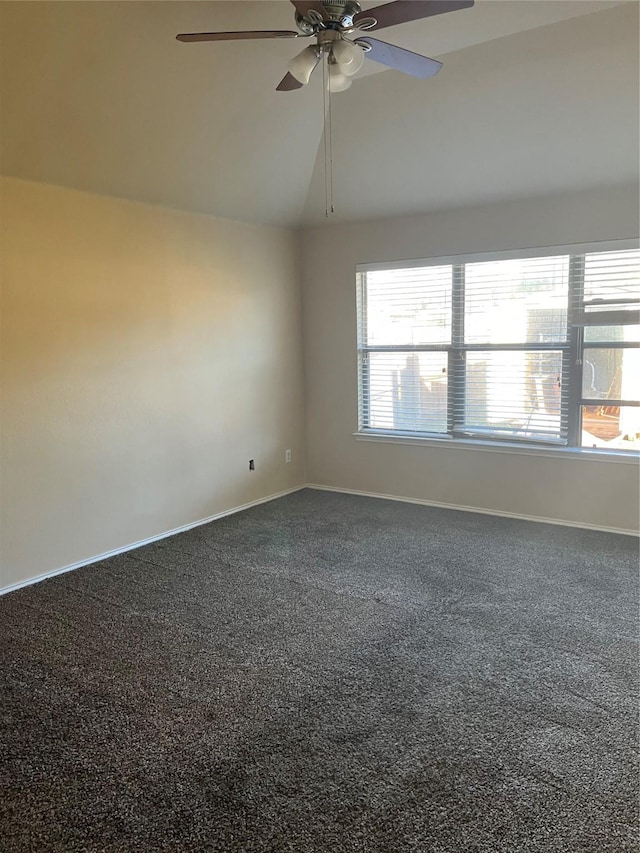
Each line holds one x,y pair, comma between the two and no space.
582,453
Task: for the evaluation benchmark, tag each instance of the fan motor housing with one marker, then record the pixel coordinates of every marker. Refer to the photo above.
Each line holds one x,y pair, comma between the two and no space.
339,11
338,15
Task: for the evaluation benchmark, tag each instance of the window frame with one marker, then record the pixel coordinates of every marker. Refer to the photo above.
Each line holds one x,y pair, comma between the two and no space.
572,349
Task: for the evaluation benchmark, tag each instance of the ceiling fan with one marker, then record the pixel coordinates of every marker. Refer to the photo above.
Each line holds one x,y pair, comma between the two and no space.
330,22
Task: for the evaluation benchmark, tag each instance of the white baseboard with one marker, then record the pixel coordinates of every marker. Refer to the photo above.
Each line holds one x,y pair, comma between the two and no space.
233,510
481,510
139,544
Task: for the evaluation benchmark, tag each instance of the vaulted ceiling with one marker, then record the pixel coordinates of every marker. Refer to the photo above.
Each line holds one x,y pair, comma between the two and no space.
535,96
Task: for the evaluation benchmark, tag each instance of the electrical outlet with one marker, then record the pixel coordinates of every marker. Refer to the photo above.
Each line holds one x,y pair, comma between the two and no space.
252,465
287,456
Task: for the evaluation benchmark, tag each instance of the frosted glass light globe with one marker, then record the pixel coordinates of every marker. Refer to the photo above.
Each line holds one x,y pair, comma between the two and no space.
303,64
348,56
338,82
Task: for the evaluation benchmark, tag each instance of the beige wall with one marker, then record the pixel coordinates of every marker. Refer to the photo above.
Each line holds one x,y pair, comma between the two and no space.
147,354
603,494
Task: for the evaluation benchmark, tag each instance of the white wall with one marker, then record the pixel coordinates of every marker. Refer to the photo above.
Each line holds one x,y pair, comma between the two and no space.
147,355
602,494
550,110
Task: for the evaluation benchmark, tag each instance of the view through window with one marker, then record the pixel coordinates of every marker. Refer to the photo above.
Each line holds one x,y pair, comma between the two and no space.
538,350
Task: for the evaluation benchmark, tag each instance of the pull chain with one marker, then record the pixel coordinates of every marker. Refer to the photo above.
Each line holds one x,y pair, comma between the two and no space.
330,152
324,133
328,140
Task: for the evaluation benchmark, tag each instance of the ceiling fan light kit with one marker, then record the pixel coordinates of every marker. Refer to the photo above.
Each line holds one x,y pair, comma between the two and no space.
330,22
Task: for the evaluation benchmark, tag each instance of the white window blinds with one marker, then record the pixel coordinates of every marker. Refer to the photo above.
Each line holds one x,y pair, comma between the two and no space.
504,348
408,322
606,288
513,341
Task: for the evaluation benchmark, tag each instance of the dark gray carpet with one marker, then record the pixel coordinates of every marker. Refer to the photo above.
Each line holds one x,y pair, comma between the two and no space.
328,673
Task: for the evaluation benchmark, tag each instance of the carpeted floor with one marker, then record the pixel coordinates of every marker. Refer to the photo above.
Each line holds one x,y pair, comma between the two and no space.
328,673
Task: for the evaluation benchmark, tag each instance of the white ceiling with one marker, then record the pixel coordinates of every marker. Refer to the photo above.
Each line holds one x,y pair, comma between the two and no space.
534,96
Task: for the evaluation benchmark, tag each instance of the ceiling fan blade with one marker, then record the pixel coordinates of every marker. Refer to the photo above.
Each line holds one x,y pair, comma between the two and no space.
243,34
402,60
288,83
409,10
304,6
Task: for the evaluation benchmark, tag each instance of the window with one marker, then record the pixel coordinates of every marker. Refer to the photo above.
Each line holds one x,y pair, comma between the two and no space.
540,349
